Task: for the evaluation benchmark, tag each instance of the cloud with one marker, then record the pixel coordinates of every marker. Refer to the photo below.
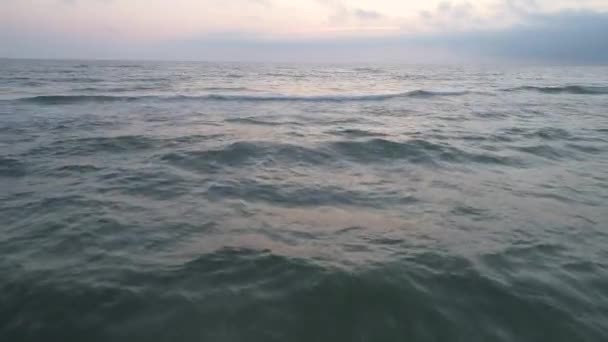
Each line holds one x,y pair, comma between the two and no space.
74,2
451,16
341,14
460,10
367,14
563,37
521,6
265,3
458,32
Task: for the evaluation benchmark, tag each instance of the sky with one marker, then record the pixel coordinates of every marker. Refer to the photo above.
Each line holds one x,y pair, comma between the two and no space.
432,31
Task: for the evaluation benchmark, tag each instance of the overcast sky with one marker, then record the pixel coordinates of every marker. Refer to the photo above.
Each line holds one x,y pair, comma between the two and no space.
538,31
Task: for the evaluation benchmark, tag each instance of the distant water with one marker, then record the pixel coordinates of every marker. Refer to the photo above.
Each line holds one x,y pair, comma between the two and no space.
252,202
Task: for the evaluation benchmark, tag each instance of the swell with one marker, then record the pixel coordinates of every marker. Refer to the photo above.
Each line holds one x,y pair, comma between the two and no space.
254,121
273,295
369,70
252,153
355,133
417,151
243,153
111,144
572,151
74,99
571,89
293,194
544,134
11,167
120,89
228,89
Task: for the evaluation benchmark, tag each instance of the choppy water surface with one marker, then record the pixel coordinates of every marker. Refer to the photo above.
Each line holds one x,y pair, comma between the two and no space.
235,202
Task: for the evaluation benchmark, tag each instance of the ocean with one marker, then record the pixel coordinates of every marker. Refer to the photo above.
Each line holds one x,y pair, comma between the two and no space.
182,201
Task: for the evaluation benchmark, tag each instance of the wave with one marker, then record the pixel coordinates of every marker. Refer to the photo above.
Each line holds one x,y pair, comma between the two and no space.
75,80
589,149
274,293
291,194
68,99
243,153
254,121
113,144
118,89
572,89
281,74
124,66
95,145
228,89
77,168
353,132
11,167
416,151
369,70
16,78
545,151
73,99
260,154
333,98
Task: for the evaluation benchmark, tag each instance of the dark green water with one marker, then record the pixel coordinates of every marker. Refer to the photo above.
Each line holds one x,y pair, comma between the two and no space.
236,202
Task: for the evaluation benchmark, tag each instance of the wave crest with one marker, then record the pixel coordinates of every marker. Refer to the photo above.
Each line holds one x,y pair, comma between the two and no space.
248,153
571,89
72,99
